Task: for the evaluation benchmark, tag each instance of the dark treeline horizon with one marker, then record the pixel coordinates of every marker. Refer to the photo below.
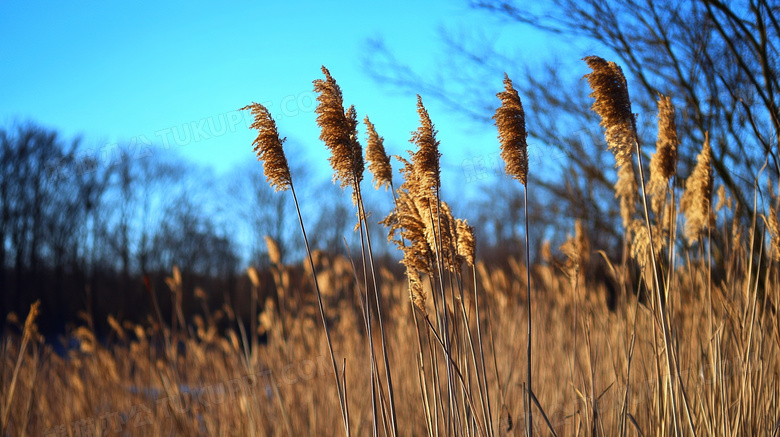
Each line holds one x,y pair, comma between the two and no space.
79,232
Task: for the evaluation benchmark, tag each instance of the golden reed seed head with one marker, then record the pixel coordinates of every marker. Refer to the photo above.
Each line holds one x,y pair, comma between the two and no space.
337,130
418,254
378,161
29,322
407,226
274,253
254,277
774,232
663,164
640,241
425,161
723,198
510,121
416,290
358,165
666,145
626,189
467,245
577,250
268,147
573,256
613,105
441,227
696,202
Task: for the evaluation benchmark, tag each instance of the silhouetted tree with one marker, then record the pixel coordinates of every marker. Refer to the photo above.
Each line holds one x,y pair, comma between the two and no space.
718,61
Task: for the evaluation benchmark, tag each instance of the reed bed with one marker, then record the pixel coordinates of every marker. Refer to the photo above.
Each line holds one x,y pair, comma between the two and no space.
678,337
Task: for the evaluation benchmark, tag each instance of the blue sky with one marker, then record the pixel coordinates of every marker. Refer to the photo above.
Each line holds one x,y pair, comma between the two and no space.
173,74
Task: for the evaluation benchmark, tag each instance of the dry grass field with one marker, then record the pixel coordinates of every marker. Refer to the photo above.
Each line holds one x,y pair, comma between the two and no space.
679,337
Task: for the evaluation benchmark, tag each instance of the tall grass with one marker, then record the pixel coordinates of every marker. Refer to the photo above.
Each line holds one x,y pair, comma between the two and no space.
353,348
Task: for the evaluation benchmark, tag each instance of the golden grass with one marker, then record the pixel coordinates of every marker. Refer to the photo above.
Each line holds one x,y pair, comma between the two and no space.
691,347
731,378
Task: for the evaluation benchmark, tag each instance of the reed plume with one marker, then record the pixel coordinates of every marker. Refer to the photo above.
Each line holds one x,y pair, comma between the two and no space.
425,161
467,245
269,150
771,222
696,202
358,165
510,121
640,241
666,145
378,161
724,200
254,277
441,229
338,131
613,105
774,233
583,242
577,251
663,163
413,225
268,147
626,190
407,230
274,253
407,226
410,224
416,290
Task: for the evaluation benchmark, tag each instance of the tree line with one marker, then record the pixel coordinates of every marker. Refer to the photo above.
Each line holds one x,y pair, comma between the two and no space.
80,233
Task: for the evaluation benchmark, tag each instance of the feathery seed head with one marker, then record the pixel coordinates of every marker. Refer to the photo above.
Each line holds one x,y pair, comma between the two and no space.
466,242
663,164
696,202
337,130
640,241
666,145
437,220
774,233
268,147
723,199
510,121
253,277
378,161
626,189
425,161
358,166
416,290
573,257
577,251
613,105
274,253
406,223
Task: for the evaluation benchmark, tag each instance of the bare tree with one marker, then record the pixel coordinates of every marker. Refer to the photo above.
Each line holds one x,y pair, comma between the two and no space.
718,61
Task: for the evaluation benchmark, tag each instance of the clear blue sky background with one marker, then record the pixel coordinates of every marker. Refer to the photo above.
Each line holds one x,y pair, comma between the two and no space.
136,72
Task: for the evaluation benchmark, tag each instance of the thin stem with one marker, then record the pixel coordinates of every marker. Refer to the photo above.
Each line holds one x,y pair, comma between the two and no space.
364,220
481,350
529,425
658,282
322,314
